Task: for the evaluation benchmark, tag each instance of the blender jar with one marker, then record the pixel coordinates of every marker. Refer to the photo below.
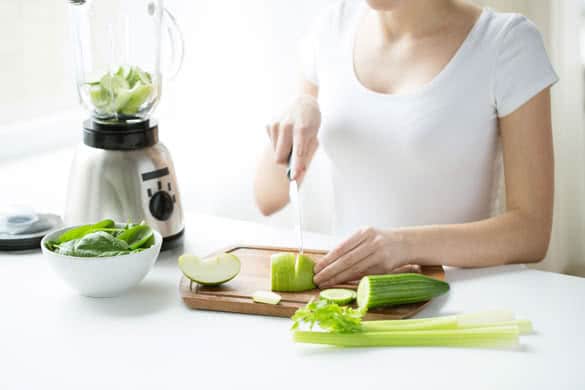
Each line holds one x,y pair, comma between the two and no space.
118,49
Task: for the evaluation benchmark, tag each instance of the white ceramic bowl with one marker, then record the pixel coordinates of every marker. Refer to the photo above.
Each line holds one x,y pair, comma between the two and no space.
102,277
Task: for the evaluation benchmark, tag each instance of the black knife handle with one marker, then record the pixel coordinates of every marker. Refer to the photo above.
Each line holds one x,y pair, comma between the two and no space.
289,168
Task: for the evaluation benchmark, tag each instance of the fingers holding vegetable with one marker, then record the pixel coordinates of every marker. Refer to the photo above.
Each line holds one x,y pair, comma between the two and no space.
366,252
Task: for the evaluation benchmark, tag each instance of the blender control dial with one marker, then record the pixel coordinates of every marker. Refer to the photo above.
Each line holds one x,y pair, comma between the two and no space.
161,205
162,199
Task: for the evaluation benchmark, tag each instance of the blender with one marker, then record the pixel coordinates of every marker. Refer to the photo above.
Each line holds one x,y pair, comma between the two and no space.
122,171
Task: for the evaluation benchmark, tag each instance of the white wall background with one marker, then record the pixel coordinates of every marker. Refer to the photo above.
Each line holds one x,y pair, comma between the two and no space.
239,70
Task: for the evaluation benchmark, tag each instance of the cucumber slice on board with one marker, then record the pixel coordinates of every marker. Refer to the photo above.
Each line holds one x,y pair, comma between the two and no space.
266,297
212,271
341,296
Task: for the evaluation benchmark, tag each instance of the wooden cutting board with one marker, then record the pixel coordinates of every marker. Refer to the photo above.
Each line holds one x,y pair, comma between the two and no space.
236,295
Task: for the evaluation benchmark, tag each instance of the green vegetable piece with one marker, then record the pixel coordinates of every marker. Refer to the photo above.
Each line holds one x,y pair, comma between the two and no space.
397,289
51,245
137,236
329,316
96,244
341,296
122,92
121,99
489,337
291,272
134,98
268,297
135,74
148,243
104,224
81,231
113,83
100,97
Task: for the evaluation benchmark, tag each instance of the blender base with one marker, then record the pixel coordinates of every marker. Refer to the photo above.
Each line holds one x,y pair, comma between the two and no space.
174,241
122,172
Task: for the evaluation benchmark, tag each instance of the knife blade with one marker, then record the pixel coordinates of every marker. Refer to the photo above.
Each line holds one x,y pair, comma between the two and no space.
296,198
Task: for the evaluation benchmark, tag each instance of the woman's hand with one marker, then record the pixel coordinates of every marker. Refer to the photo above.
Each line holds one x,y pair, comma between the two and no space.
297,130
369,251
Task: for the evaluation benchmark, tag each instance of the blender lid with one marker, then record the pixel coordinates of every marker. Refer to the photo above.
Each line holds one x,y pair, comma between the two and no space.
24,231
120,135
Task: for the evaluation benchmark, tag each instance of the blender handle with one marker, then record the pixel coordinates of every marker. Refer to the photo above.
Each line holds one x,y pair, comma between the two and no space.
177,43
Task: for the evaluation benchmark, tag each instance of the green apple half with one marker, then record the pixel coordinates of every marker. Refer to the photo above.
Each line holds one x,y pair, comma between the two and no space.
212,271
291,272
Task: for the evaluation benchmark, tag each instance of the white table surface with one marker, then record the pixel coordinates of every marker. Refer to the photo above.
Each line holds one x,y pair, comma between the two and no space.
52,338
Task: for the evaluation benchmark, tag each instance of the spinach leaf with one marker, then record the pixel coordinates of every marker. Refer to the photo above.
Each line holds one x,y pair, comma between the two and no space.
103,239
137,236
97,244
81,231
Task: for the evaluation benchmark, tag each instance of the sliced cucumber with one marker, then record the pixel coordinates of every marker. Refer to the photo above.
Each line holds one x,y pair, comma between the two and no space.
212,271
266,297
341,296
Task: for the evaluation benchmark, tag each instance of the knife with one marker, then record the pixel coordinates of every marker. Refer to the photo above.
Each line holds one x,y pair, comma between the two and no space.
296,200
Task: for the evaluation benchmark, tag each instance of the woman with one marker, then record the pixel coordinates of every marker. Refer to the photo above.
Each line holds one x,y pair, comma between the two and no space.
410,101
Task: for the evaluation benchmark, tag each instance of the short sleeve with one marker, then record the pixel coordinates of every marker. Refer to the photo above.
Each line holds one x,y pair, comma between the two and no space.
308,52
312,40
522,67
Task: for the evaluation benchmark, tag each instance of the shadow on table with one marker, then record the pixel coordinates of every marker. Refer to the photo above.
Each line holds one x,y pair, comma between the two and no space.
147,298
360,352
435,308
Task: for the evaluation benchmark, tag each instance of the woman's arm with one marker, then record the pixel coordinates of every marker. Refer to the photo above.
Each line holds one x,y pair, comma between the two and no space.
519,235
299,127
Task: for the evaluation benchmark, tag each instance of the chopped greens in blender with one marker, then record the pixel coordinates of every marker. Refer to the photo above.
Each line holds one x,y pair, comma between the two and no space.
121,93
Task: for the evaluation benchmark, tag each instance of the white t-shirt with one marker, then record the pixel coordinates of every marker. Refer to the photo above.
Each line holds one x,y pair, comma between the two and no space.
426,157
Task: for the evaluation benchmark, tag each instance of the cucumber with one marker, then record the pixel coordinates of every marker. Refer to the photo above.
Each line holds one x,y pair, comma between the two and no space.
341,296
396,289
266,297
212,271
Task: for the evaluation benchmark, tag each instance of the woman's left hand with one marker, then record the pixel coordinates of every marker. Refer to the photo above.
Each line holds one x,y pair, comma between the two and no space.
367,252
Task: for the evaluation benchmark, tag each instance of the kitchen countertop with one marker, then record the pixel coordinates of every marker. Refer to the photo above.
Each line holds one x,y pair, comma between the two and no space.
147,339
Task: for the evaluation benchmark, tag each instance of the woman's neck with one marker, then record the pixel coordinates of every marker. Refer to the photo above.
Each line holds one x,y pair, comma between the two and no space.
414,18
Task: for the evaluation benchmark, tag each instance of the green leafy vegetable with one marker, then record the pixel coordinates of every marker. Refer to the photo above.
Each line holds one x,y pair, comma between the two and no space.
329,316
97,244
81,231
345,328
103,239
136,236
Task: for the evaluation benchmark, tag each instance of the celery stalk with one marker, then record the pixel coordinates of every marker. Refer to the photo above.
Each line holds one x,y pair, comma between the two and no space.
460,321
524,326
501,336
485,317
449,322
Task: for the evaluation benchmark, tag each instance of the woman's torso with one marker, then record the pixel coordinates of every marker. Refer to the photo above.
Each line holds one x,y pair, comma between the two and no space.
418,158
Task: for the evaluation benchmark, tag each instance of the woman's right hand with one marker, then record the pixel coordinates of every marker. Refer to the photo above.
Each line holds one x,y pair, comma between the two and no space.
297,130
